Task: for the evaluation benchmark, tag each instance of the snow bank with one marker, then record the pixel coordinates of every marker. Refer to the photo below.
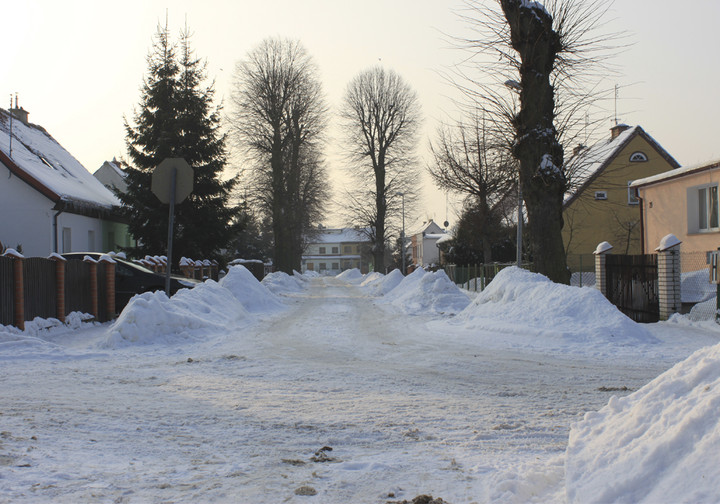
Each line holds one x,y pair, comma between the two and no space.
522,303
38,337
280,283
423,292
659,444
351,276
377,284
152,317
247,289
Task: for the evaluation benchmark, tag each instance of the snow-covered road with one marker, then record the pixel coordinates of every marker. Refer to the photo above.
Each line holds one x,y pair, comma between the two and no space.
408,407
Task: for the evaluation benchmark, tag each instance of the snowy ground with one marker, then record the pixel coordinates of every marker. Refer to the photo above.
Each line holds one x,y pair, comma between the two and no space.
235,392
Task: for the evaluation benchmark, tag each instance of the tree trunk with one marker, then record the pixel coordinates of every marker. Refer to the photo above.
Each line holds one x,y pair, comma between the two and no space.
541,157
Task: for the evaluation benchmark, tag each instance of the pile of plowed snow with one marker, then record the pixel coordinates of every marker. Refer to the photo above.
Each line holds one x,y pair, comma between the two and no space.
152,317
520,303
427,292
280,283
377,284
659,444
352,276
252,294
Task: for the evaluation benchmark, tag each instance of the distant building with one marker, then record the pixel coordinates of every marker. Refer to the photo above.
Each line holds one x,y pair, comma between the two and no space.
112,175
423,242
600,205
48,200
332,251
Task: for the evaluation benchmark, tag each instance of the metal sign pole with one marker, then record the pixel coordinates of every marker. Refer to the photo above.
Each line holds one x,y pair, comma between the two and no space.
171,223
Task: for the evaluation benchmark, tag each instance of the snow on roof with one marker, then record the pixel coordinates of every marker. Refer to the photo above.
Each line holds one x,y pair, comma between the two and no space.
585,166
677,172
36,153
341,235
582,167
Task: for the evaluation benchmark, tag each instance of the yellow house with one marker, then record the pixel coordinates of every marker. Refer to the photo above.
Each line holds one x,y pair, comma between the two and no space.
683,202
600,205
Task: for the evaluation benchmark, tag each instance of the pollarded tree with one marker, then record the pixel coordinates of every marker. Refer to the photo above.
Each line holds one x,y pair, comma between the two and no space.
381,117
177,119
541,75
278,120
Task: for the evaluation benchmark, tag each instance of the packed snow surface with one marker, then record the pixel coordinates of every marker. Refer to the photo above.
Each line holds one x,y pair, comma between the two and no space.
361,389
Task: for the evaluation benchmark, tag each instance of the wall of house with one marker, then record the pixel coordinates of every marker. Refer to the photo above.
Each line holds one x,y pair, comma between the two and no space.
26,216
589,221
672,207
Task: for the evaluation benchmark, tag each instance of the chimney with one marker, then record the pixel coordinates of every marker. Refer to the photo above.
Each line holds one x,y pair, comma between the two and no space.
617,129
19,112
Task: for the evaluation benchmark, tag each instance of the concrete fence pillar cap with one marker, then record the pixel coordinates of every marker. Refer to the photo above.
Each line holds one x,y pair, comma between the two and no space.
668,242
13,253
602,248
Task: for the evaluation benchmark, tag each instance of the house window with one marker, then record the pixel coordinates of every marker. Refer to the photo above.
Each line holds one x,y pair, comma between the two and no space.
708,208
638,157
600,195
323,266
335,266
335,250
66,239
348,249
632,197
322,250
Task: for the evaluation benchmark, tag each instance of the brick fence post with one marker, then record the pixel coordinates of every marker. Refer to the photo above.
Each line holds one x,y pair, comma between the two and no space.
669,284
93,286
18,287
600,277
109,285
59,285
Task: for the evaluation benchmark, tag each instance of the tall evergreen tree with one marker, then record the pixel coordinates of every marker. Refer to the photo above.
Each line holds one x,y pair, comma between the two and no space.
176,118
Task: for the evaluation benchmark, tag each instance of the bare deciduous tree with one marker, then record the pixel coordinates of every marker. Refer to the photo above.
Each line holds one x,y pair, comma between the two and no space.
470,162
279,118
381,117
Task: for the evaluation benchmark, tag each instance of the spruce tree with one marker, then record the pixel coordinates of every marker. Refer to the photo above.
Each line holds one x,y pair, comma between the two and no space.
176,118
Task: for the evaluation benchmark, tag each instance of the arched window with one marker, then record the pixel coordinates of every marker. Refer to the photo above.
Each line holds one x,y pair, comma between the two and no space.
638,157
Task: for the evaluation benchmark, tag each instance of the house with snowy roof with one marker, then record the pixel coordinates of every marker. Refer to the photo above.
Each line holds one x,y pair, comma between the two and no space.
48,200
600,204
112,176
423,242
332,251
682,202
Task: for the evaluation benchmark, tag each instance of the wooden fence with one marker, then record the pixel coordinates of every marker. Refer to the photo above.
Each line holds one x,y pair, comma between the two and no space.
53,288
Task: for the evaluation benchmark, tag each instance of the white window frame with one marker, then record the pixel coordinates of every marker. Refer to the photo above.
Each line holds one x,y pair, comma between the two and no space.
632,197
601,195
705,208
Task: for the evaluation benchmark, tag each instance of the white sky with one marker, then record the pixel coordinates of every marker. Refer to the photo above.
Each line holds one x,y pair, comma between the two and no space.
78,65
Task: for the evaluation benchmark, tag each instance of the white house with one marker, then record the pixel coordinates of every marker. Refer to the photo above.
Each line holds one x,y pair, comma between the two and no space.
49,202
112,175
424,244
332,251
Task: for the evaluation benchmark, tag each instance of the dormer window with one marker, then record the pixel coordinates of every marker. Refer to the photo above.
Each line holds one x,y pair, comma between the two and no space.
638,157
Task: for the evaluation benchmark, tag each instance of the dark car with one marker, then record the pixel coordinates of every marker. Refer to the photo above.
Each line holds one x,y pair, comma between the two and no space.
132,278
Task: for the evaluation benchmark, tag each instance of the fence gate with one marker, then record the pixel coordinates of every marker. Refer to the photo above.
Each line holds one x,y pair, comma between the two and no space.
632,285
